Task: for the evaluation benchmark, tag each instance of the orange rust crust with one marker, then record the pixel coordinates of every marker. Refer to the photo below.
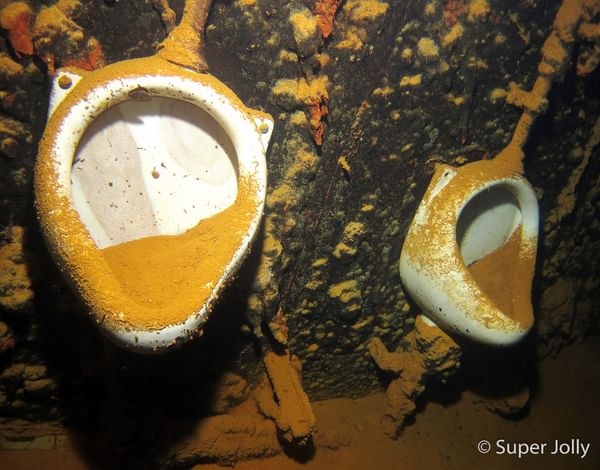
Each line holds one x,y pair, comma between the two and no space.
16,18
185,43
556,53
295,418
325,11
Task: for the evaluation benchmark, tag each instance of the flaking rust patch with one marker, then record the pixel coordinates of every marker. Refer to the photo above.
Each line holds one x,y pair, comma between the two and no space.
312,96
325,11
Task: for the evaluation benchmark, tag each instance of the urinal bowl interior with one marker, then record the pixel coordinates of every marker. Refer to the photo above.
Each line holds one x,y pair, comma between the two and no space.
468,259
152,166
495,240
142,149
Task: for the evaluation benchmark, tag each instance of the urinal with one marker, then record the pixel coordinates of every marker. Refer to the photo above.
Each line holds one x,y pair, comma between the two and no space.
469,256
150,186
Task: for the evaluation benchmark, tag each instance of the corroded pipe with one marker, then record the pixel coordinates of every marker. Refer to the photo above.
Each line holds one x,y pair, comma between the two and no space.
556,53
185,44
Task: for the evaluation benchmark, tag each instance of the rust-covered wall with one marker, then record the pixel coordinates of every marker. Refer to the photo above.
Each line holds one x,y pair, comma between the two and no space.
364,107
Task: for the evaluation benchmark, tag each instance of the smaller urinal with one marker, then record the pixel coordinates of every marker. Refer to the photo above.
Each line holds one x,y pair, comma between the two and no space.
469,256
150,186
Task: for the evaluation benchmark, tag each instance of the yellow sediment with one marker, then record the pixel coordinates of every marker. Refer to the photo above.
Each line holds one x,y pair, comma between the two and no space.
15,276
385,91
287,56
365,10
352,40
347,292
499,39
319,262
367,208
497,275
429,9
477,10
453,35
350,238
282,195
407,54
353,229
497,94
456,100
314,284
298,118
411,80
313,95
273,39
427,48
301,90
294,416
342,248
344,165
477,63
589,31
304,25
175,274
53,22
532,102
428,351
323,59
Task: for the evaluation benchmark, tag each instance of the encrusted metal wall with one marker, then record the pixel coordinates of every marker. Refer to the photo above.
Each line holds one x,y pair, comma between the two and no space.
364,106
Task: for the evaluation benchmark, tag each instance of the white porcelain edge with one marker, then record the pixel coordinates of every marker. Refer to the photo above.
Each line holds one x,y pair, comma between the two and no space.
249,142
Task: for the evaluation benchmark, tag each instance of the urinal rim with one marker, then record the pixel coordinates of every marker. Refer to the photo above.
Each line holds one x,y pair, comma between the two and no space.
132,76
73,113
524,194
417,283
